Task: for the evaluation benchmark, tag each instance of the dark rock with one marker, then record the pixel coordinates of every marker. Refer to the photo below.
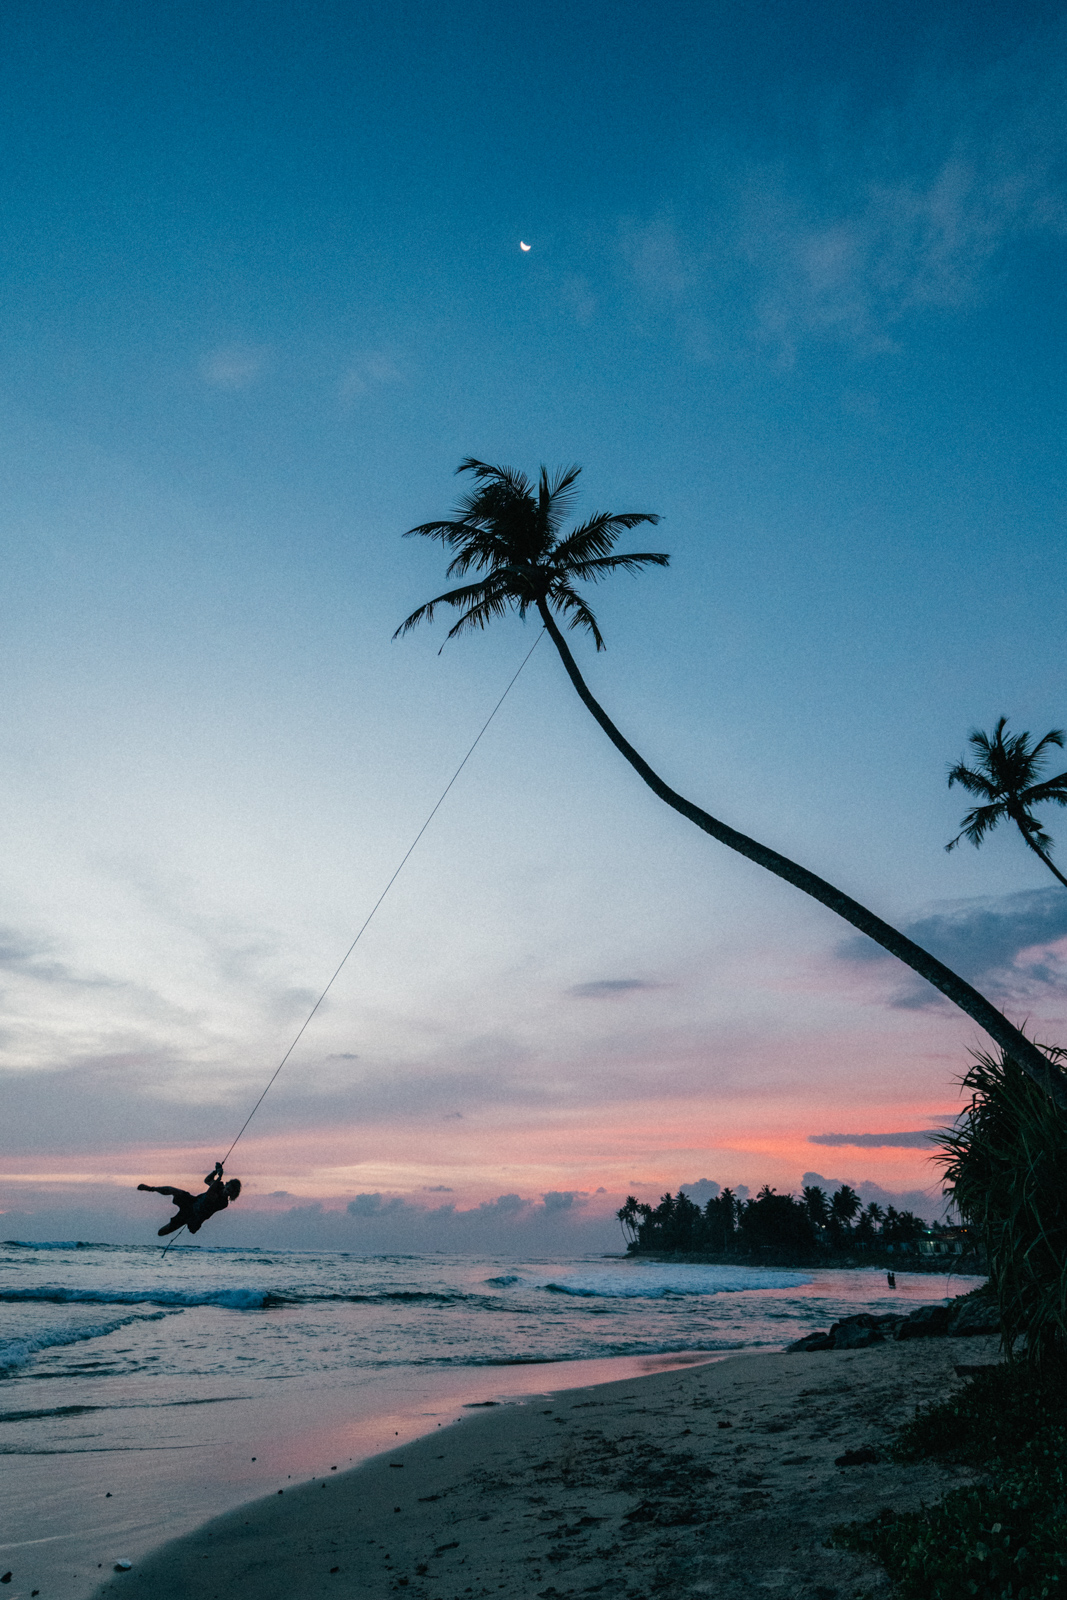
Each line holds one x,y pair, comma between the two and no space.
928,1322
855,1333
811,1341
725,1424
863,1457
973,1314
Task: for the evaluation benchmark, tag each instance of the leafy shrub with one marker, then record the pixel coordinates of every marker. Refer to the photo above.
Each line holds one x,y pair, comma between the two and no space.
995,1415
1006,1540
1004,1167
1002,1539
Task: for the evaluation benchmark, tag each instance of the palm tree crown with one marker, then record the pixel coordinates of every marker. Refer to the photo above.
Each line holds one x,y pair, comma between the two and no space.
511,531
511,534
1007,776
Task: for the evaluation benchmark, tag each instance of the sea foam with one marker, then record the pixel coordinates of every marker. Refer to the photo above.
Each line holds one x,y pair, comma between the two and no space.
231,1299
645,1281
17,1352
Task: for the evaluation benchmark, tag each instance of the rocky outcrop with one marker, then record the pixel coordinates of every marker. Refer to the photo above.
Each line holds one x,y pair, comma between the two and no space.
968,1314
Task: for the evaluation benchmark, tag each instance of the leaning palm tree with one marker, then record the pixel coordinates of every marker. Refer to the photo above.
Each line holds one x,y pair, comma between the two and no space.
509,531
1007,777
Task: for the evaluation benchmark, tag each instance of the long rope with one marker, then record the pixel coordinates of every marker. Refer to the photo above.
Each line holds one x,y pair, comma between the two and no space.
370,916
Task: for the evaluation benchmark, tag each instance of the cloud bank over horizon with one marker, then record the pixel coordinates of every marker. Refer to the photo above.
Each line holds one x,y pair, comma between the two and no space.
566,1222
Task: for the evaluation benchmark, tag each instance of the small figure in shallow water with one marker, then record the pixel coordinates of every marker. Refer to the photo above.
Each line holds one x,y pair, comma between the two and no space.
891,1279
194,1209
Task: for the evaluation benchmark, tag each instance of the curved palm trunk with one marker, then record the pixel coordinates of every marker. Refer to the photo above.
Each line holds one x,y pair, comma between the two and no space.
976,1006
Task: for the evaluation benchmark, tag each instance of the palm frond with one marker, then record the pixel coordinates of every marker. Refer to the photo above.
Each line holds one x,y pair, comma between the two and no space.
556,496
563,598
977,823
450,532
600,566
454,597
494,604
510,479
1033,832
1053,791
983,743
597,535
1054,736
479,551
973,782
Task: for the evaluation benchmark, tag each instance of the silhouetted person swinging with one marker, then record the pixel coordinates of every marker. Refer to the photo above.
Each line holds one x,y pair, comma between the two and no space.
194,1209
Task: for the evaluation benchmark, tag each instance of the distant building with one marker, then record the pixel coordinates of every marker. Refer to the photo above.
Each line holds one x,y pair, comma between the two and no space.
945,1242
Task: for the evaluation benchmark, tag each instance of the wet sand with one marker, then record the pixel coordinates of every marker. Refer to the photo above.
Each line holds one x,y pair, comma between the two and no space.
713,1480
116,1471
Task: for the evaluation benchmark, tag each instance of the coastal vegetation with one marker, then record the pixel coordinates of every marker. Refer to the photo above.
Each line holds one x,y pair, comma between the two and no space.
1005,1164
1003,1537
772,1225
509,532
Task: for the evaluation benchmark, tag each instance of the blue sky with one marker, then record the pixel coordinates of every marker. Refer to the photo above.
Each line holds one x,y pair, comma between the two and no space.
795,283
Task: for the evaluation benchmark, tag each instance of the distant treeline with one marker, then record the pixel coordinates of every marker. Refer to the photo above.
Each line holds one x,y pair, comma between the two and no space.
728,1225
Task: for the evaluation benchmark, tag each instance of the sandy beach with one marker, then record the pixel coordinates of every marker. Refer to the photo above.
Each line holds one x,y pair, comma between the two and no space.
719,1479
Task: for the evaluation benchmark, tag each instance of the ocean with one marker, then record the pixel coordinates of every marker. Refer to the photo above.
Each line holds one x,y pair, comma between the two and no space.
141,1395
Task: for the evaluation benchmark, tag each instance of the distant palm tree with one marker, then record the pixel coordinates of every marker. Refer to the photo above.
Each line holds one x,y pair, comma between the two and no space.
509,531
844,1204
1007,776
817,1204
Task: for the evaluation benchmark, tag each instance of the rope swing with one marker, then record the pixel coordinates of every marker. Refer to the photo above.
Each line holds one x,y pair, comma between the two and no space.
370,916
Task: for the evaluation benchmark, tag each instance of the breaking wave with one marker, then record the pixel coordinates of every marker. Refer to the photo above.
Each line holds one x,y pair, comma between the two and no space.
54,1244
244,1299
669,1282
17,1352
232,1299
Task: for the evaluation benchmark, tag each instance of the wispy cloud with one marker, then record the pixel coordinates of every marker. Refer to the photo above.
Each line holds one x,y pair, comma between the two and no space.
878,1141
234,366
578,297
373,369
23,955
914,216
611,988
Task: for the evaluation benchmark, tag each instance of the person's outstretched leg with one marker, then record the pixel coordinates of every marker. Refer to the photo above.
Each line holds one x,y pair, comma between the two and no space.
172,1226
179,1196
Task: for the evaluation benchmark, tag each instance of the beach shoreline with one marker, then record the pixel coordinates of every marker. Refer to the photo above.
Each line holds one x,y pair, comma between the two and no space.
719,1478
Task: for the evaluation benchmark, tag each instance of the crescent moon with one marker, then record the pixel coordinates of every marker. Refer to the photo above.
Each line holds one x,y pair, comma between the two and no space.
523,246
